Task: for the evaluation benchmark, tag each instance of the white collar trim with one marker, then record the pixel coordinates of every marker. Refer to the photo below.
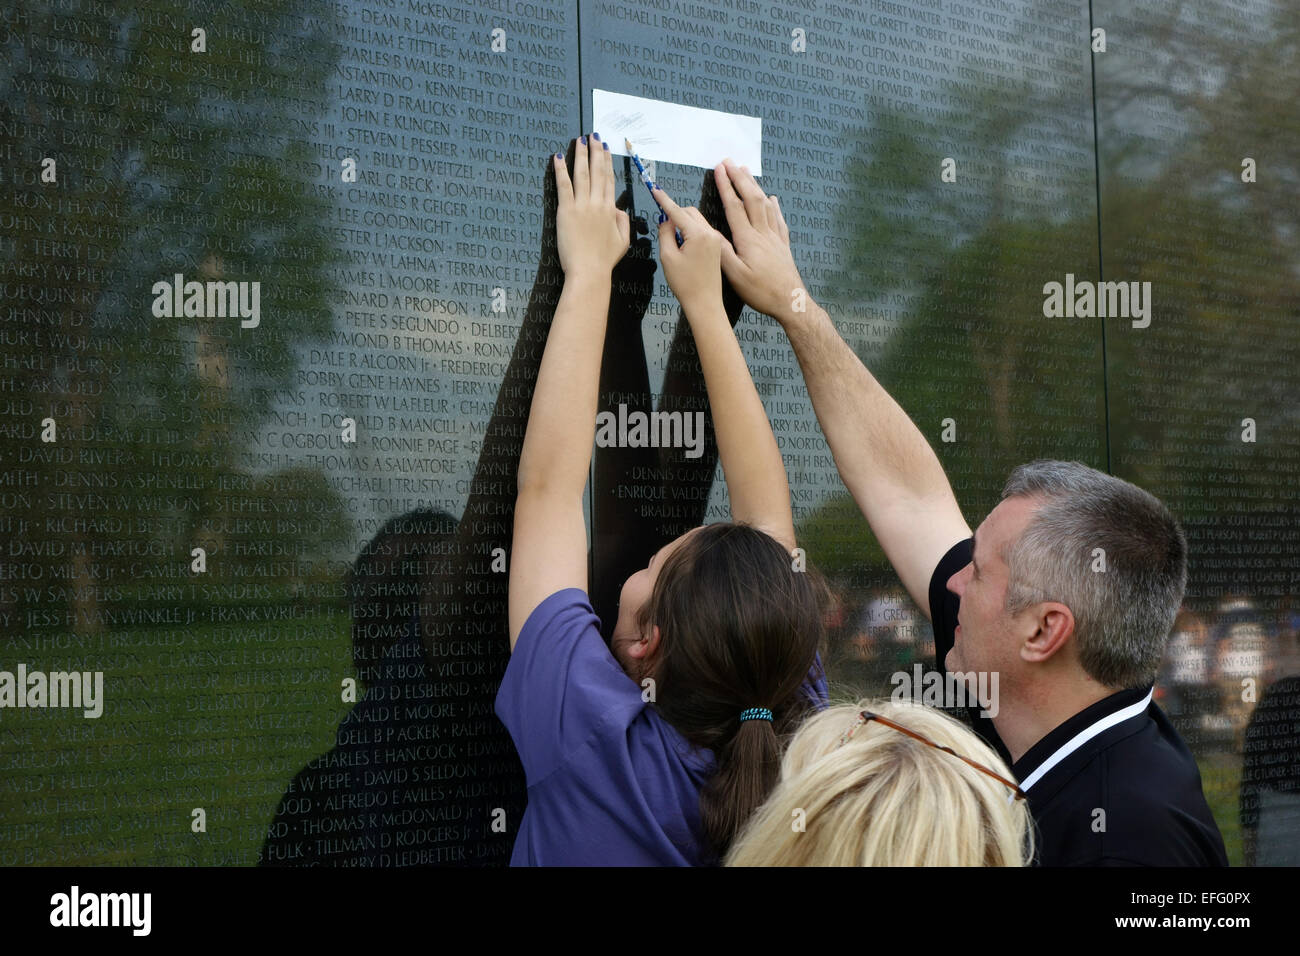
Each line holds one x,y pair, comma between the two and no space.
1083,736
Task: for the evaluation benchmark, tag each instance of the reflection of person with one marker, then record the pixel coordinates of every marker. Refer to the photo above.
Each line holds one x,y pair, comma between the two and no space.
1076,651
892,624
425,589
655,749
370,800
858,792
1188,668
1240,665
885,638
884,614
1270,767
854,665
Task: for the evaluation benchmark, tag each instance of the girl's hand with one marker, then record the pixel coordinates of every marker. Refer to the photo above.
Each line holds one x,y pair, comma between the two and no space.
591,233
693,270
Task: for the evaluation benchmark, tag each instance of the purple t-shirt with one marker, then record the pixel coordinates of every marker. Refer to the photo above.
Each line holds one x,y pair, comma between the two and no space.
610,782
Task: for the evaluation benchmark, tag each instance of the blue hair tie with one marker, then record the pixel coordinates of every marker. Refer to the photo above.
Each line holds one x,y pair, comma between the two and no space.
756,713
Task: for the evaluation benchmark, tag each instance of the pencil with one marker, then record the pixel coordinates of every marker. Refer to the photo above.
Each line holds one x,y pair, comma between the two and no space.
649,183
640,168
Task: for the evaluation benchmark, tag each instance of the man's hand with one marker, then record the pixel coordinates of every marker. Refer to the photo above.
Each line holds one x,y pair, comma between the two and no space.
693,270
758,261
592,234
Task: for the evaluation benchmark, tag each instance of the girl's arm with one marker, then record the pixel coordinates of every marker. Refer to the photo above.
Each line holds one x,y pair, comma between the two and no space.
550,536
751,461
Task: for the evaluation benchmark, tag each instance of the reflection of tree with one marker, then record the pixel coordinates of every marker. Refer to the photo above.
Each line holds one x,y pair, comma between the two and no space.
841,545
949,278
954,274
951,273
160,171
1220,255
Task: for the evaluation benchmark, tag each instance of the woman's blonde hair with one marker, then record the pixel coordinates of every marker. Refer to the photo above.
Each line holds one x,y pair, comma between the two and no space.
882,798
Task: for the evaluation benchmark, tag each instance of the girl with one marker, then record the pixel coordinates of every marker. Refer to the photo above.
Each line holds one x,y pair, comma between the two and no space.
655,749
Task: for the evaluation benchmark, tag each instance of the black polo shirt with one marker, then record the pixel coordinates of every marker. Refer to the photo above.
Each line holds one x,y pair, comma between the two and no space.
1115,785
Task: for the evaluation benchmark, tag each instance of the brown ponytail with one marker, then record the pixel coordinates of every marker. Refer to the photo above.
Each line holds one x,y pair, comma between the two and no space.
740,629
748,769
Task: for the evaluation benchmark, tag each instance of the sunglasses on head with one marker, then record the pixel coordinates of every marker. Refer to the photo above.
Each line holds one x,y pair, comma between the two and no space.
866,715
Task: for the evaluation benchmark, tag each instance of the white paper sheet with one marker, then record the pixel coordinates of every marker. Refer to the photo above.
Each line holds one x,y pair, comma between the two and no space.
673,133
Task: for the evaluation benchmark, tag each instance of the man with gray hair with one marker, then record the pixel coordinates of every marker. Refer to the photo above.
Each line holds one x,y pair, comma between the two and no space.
1067,591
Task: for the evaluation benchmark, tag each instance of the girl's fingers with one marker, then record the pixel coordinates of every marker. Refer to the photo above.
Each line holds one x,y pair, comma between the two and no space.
581,175
666,228
678,216
666,203
563,187
667,238
605,160
598,166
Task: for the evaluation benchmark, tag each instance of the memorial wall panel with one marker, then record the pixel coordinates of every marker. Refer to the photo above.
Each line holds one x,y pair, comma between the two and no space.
341,447
1198,140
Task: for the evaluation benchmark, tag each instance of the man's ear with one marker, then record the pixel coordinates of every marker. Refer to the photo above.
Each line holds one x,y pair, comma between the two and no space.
1053,626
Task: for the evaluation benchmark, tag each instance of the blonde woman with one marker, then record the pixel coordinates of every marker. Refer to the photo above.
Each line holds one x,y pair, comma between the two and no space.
870,784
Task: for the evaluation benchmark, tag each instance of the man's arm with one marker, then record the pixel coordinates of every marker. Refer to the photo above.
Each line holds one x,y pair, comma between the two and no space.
751,461
883,459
